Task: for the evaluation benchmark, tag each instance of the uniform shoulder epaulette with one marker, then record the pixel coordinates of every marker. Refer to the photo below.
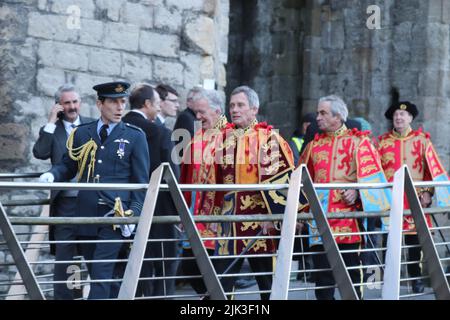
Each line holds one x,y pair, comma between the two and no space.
85,123
133,127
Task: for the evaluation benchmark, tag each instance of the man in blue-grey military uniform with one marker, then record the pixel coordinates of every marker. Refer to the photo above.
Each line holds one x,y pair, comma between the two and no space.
51,144
120,155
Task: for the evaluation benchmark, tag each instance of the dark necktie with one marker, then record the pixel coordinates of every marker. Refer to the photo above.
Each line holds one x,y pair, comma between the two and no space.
103,133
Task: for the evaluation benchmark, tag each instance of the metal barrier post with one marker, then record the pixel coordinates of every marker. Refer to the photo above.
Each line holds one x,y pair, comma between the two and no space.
31,254
280,283
27,274
391,279
431,256
340,273
133,269
210,278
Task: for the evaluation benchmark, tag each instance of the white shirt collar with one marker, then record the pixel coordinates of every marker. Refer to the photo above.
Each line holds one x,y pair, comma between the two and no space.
140,112
68,125
161,118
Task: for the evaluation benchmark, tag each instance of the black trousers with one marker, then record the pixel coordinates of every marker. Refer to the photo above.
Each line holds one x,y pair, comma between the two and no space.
326,278
102,251
64,207
190,268
413,254
161,267
257,264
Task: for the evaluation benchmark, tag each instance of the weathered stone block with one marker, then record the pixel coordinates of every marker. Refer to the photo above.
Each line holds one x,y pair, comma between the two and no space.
49,26
437,58
13,141
435,10
333,35
49,79
84,83
43,5
163,45
138,14
63,55
105,62
121,36
36,107
192,63
221,77
437,35
86,7
283,87
207,67
357,37
155,3
380,84
199,32
286,64
186,4
12,27
168,72
311,86
431,83
137,68
110,9
169,19
91,32
446,12
209,7
410,11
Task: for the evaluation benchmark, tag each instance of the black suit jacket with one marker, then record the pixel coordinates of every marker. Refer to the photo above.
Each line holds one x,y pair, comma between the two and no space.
53,146
313,129
160,146
185,120
158,140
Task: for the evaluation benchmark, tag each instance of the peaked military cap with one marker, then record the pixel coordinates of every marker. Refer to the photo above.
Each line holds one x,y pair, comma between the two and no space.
115,89
402,105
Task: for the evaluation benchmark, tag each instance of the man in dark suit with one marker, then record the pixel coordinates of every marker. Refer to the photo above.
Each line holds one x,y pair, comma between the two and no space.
51,144
109,151
169,104
144,103
186,119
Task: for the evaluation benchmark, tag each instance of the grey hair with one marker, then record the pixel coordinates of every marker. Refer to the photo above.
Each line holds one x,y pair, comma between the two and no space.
67,87
215,99
193,91
338,106
251,94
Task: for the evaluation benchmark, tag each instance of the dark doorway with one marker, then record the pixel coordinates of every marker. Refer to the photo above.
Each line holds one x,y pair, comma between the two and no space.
265,50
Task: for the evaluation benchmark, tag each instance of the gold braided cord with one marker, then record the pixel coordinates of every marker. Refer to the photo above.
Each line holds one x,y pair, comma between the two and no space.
81,155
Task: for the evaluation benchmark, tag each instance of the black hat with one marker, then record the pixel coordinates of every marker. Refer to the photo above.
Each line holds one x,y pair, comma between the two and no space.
115,89
402,105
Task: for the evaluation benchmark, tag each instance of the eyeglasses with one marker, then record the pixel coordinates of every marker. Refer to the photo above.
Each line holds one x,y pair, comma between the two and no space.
172,100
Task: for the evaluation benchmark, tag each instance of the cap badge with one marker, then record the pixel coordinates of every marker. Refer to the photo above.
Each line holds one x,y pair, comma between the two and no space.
119,88
403,107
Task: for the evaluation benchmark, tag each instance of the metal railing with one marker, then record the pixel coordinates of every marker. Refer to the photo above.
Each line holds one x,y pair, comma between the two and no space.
284,286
